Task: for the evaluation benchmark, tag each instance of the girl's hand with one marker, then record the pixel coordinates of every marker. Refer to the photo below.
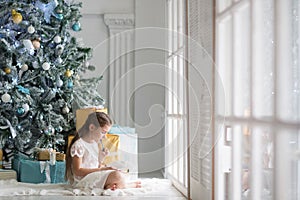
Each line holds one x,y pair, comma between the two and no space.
102,164
108,168
103,153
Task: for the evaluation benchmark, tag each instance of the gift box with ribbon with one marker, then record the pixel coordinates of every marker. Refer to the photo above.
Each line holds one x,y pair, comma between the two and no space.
44,154
33,171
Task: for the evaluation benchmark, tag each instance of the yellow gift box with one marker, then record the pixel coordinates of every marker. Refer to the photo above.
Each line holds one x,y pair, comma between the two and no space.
82,114
111,142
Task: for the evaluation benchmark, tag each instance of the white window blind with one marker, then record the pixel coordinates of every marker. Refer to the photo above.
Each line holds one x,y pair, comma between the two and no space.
200,48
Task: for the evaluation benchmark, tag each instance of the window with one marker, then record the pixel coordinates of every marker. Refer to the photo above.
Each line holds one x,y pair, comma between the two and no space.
176,128
257,99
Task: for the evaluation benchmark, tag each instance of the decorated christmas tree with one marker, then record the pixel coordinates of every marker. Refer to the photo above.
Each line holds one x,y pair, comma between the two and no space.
40,63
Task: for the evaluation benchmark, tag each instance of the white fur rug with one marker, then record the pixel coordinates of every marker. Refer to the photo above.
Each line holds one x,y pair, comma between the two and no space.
150,187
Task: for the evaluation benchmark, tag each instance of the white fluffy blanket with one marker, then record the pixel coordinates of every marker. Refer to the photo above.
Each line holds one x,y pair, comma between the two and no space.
150,187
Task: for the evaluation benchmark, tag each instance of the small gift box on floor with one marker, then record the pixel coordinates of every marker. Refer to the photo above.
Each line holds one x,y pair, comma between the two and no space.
6,174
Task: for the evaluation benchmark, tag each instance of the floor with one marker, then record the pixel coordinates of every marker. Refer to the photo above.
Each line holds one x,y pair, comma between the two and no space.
90,198
154,174
170,193
165,193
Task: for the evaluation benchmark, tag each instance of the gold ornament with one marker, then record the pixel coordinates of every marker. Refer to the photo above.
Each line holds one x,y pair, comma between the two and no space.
16,16
7,70
36,44
68,73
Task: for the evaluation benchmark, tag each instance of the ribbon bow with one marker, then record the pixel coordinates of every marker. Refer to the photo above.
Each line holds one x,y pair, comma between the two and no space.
47,8
23,90
44,166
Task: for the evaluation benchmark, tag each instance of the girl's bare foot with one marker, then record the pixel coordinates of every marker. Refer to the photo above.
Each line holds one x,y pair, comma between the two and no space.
114,186
135,184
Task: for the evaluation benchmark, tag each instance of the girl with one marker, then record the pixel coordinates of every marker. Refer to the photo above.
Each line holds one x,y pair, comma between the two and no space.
83,164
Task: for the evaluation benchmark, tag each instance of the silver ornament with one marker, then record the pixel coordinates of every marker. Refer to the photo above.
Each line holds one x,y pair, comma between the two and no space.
28,45
57,39
6,98
35,64
46,66
31,29
59,83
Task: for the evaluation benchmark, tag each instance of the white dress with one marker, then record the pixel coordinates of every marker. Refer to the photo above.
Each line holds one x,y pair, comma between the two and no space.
89,153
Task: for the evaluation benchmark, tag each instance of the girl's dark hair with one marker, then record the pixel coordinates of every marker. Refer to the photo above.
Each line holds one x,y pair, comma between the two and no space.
98,119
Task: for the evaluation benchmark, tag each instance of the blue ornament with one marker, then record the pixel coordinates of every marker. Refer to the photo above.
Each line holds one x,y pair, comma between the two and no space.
59,16
70,84
20,111
76,26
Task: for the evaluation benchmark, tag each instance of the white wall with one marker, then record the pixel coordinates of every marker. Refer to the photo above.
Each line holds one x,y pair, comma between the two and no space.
149,75
107,6
94,34
149,83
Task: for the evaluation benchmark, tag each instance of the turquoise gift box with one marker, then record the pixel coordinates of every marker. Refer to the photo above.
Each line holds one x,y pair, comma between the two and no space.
33,171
